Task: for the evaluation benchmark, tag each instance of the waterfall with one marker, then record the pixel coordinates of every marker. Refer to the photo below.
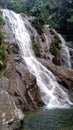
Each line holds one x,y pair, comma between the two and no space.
51,92
65,55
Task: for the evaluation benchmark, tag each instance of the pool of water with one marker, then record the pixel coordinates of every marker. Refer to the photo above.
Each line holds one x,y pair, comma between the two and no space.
55,119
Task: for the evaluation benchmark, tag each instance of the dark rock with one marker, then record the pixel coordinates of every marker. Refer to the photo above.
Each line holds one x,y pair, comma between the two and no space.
17,58
56,61
70,44
13,48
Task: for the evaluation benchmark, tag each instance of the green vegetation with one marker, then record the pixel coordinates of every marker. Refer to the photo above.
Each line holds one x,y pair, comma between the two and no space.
16,5
3,57
70,19
1,21
54,50
1,24
38,23
1,37
57,43
36,48
57,13
55,47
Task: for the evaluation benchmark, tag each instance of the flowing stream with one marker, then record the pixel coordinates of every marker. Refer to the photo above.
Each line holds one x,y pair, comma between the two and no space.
51,92
65,55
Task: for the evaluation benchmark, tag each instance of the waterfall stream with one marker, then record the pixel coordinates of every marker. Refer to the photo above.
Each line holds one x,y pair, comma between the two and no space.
51,92
65,55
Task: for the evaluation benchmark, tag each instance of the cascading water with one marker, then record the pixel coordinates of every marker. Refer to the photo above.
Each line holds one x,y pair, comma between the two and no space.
51,92
65,56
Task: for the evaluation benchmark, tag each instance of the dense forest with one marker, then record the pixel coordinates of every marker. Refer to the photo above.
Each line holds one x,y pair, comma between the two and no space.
57,13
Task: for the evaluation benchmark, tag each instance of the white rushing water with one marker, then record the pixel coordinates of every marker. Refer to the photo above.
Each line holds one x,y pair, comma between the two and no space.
65,55
51,92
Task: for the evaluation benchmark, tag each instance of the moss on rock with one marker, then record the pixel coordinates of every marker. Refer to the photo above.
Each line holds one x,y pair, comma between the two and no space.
36,48
55,47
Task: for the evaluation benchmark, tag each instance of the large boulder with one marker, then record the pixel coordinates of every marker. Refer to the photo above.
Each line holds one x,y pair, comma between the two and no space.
22,85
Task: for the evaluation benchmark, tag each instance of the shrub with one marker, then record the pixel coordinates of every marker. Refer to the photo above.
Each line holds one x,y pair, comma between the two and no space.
57,43
54,50
2,54
36,48
1,20
2,65
1,37
3,58
38,23
43,38
55,47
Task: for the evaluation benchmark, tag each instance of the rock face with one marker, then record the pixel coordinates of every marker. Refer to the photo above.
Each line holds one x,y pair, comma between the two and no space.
9,118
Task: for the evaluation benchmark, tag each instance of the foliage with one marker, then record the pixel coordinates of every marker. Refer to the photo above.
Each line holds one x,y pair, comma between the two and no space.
1,37
1,24
53,24
3,58
55,47
70,19
36,48
57,13
57,43
54,50
2,53
1,21
38,24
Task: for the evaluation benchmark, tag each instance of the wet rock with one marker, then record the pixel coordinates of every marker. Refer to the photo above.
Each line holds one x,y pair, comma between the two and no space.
4,83
17,58
14,48
70,44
